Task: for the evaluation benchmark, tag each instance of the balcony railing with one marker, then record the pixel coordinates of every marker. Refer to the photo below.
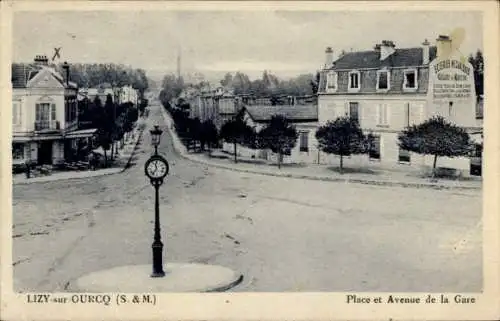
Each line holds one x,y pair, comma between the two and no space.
47,125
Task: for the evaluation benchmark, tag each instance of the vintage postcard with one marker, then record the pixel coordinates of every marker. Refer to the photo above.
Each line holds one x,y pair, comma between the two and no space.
249,160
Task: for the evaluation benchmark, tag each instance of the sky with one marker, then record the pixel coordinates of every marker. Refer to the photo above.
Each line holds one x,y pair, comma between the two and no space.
286,43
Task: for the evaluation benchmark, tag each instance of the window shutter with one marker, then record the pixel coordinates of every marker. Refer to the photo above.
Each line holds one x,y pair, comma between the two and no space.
346,109
387,114
53,106
38,113
379,111
14,113
28,151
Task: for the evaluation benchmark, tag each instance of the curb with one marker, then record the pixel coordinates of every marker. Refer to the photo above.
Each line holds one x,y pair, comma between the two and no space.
309,177
116,171
138,140
215,278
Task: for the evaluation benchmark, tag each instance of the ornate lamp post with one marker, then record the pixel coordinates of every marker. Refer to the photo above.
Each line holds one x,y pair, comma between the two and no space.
156,168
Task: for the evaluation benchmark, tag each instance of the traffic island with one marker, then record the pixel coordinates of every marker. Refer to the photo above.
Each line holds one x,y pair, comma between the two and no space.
179,277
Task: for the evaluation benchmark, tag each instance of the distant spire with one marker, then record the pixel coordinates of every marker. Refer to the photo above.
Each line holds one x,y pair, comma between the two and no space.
179,64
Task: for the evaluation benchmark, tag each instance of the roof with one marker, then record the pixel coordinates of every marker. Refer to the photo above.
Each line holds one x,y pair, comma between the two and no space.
302,113
403,57
104,85
23,73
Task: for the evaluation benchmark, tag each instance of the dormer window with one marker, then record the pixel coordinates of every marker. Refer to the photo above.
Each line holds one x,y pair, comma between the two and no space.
331,81
410,79
383,79
354,81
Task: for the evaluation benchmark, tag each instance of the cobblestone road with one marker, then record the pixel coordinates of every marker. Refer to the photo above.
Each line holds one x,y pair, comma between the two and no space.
282,234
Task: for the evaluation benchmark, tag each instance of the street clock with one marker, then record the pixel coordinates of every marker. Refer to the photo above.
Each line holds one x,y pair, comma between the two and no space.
156,168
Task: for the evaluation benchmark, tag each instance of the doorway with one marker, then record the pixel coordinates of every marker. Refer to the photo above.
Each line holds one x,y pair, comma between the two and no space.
45,153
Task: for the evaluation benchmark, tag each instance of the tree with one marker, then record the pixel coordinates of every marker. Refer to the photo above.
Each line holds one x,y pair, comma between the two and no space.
235,132
477,63
111,119
315,83
228,80
279,136
101,121
171,89
341,137
209,135
241,83
195,131
436,137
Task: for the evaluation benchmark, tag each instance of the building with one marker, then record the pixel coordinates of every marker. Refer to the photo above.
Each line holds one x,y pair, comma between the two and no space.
102,91
127,94
228,106
44,114
303,117
210,103
388,89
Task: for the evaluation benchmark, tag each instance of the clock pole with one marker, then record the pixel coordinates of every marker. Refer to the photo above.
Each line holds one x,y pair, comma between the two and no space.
157,180
157,244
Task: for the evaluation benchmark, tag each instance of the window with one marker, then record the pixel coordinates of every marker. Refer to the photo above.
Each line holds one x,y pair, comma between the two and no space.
404,156
382,80
354,111
331,81
43,112
410,79
479,109
374,152
17,151
66,111
477,151
383,115
354,80
304,141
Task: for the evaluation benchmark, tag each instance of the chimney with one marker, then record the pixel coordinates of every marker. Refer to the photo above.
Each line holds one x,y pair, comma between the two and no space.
386,49
443,44
66,68
41,60
328,57
425,52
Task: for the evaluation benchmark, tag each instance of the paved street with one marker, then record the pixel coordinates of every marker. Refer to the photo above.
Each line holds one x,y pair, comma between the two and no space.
282,234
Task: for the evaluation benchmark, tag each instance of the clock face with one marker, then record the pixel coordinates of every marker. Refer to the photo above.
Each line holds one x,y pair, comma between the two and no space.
157,168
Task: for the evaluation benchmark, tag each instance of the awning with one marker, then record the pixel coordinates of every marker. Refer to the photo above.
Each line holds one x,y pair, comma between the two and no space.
82,133
21,139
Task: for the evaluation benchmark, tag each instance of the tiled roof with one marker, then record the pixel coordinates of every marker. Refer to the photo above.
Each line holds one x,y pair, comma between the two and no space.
404,57
303,113
22,73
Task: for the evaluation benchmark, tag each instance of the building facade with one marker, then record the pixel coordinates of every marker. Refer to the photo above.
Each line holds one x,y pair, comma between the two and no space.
101,91
388,89
127,94
303,117
217,105
44,114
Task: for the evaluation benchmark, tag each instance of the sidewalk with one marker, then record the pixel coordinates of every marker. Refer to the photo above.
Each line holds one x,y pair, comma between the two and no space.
125,157
377,176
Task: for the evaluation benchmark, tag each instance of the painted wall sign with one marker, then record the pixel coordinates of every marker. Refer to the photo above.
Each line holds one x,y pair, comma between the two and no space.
451,80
